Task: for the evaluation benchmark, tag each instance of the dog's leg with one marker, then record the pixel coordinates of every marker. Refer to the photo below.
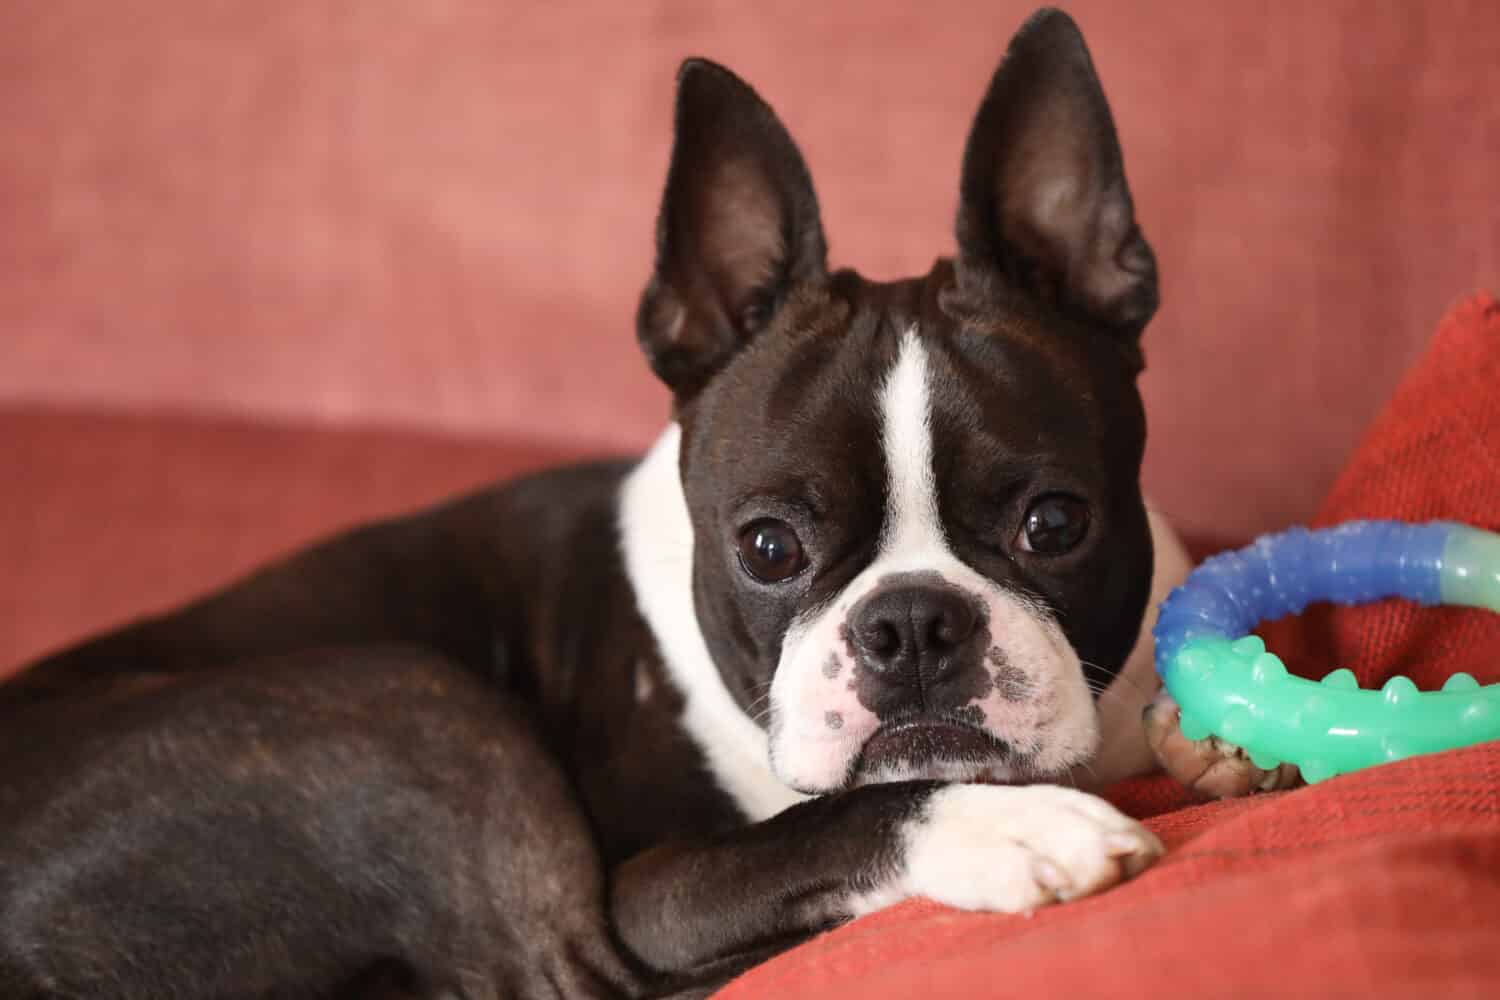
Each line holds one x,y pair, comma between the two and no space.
684,906
1209,767
292,827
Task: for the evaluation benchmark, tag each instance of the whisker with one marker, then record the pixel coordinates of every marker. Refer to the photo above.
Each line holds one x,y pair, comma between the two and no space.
1100,687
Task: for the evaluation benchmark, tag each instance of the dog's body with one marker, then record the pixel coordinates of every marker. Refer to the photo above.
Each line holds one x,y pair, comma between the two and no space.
623,729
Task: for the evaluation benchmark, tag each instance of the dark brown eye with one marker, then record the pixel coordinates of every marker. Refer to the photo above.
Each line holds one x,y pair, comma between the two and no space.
1054,524
770,551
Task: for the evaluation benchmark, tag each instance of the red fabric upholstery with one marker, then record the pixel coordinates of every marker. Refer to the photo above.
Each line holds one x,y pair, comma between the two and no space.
440,214
1381,883
1434,453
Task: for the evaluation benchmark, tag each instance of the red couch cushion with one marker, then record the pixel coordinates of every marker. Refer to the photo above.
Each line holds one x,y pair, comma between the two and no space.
1379,883
1433,453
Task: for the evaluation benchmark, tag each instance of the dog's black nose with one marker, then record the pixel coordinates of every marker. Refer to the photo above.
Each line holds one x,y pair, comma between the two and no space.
909,633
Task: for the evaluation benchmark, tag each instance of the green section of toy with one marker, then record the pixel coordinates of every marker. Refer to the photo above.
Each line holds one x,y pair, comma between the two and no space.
1238,691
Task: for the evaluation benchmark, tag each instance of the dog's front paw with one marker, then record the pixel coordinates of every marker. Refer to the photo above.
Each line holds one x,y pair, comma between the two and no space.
1209,767
1009,849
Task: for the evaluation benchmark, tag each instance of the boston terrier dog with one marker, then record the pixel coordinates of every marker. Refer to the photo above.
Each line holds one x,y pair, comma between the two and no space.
848,634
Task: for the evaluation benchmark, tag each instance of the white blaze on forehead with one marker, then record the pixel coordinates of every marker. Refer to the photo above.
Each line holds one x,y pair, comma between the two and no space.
912,520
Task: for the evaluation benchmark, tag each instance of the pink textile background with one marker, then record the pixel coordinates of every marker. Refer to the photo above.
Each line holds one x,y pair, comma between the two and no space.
437,216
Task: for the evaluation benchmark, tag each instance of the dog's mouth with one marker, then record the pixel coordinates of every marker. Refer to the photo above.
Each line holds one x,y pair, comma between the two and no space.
938,747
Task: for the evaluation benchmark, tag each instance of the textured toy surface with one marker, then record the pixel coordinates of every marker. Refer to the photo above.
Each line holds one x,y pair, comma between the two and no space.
1227,684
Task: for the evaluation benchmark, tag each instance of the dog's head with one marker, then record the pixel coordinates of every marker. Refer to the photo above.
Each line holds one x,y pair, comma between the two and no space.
919,543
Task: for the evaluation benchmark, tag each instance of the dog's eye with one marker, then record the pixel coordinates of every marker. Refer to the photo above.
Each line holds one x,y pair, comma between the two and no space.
1054,524
770,551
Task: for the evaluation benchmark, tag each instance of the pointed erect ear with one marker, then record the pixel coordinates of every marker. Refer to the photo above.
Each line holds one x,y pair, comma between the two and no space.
738,228
1043,199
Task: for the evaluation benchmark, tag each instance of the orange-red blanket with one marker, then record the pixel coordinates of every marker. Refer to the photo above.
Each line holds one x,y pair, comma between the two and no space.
1381,883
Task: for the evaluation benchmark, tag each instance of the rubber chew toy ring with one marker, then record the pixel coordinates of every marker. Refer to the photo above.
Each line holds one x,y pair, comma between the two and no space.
1228,685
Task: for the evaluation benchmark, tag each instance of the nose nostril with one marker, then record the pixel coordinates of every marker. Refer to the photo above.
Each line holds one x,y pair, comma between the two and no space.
943,633
952,625
882,638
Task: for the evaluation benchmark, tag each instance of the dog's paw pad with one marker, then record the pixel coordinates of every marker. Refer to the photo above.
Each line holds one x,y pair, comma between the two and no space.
1210,767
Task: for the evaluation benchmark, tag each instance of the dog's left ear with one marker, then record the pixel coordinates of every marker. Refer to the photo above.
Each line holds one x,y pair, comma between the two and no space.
1043,200
738,228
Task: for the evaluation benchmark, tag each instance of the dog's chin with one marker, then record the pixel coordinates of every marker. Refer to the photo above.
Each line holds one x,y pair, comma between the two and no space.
939,750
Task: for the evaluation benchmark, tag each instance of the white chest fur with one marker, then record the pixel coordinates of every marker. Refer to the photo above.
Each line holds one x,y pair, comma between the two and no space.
657,536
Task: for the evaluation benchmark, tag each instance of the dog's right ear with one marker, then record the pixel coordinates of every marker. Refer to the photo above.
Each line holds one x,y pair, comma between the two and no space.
738,228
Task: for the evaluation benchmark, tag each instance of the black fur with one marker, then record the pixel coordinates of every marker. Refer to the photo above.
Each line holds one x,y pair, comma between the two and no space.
441,756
